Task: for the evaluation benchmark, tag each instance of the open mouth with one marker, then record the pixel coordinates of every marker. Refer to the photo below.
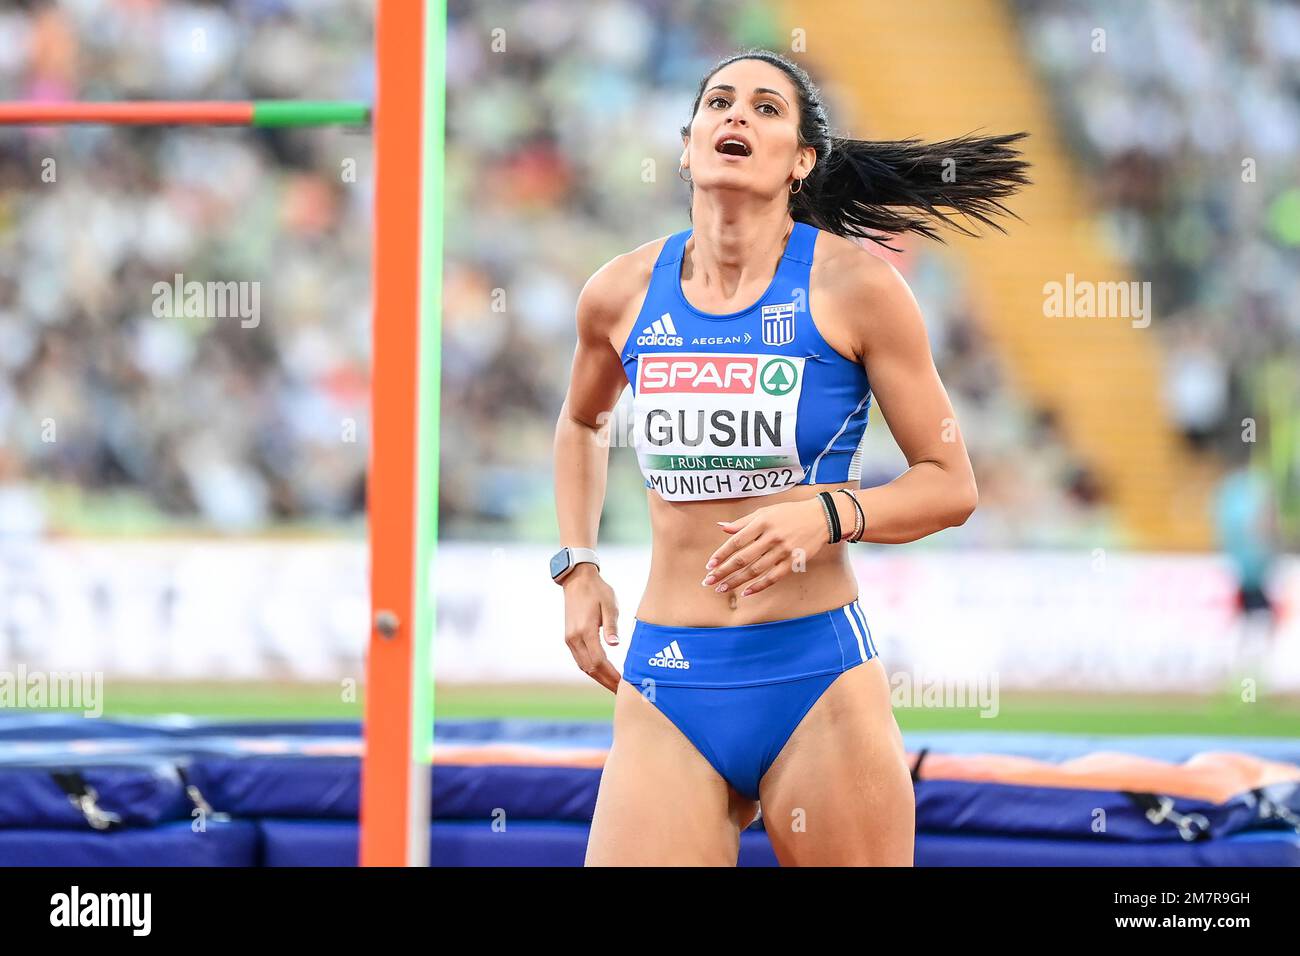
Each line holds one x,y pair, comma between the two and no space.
732,146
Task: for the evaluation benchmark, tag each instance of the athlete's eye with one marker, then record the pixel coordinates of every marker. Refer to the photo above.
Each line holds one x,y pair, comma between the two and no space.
719,99
770,106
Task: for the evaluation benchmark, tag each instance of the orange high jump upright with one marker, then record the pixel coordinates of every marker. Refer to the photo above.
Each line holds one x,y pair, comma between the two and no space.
403,486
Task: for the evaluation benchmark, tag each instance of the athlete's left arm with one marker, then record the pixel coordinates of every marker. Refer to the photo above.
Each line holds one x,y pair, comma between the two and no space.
873,313
938,489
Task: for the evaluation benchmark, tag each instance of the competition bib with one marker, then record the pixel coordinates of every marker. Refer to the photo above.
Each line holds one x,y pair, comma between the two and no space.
709,425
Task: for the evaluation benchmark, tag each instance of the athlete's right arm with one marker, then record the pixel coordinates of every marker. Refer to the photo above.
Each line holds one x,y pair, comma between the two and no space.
582,461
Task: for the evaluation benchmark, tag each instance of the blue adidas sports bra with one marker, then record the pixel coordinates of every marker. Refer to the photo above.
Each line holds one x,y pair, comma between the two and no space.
746,403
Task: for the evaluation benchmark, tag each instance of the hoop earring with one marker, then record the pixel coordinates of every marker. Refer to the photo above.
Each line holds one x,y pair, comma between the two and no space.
685,179
795,192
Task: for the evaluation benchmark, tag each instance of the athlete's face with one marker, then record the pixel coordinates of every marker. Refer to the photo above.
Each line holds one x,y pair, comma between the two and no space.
745,134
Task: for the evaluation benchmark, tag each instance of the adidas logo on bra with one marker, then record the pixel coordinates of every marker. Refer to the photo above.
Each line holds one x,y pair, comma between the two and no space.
660,332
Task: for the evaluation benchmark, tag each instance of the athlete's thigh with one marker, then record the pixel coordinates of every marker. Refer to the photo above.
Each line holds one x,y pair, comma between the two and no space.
840,792
660,802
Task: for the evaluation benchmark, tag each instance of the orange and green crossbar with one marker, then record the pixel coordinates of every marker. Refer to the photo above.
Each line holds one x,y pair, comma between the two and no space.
265,114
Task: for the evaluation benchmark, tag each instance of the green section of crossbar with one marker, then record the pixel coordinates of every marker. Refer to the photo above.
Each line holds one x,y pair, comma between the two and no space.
281,113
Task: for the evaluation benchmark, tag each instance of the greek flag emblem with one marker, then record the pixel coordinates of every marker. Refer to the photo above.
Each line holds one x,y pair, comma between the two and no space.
778,324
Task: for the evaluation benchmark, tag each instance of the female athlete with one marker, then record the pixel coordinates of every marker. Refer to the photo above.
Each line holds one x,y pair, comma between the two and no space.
753,343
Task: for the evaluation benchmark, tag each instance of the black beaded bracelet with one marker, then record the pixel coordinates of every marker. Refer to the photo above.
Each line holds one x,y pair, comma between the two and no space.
832,515
826,513
860,522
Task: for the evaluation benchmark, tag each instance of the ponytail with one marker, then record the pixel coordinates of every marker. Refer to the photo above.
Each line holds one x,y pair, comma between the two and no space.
873,190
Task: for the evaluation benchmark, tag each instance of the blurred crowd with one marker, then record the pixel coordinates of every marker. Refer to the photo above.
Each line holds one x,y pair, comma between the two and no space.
562,147
1187,117
114,413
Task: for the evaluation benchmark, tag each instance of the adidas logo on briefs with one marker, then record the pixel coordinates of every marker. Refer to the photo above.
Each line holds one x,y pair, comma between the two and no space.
671,656
660,332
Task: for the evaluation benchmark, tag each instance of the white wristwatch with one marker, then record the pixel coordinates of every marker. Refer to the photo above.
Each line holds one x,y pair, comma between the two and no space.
566,559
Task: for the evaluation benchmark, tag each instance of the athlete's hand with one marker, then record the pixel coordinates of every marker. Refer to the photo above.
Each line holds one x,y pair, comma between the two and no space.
589,605
765,545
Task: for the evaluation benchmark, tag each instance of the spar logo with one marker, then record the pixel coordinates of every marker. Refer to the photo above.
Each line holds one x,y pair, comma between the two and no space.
778,376
700,374
712,374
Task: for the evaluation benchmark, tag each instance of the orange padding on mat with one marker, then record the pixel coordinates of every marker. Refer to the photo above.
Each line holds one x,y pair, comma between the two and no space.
450,754
1212,776
500,754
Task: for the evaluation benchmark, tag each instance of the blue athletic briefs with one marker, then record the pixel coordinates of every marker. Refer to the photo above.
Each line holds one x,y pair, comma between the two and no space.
738,693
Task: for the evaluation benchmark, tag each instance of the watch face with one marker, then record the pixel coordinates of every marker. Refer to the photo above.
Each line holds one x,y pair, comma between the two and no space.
559,562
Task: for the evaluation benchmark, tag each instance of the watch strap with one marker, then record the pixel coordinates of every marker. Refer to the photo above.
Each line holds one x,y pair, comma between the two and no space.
575,556
579,556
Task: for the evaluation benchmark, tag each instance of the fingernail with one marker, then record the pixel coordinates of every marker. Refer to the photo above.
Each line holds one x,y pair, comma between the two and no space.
721,524
720,588
744,592
709,579
712,562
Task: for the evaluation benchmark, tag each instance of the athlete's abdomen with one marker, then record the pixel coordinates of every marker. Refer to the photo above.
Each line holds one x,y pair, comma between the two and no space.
686,534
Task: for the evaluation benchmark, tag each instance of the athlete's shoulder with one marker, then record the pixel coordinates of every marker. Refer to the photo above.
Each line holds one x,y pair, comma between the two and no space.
849,273
863,296
618,285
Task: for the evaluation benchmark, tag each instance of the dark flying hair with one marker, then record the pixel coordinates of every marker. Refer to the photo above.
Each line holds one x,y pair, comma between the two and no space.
861,188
